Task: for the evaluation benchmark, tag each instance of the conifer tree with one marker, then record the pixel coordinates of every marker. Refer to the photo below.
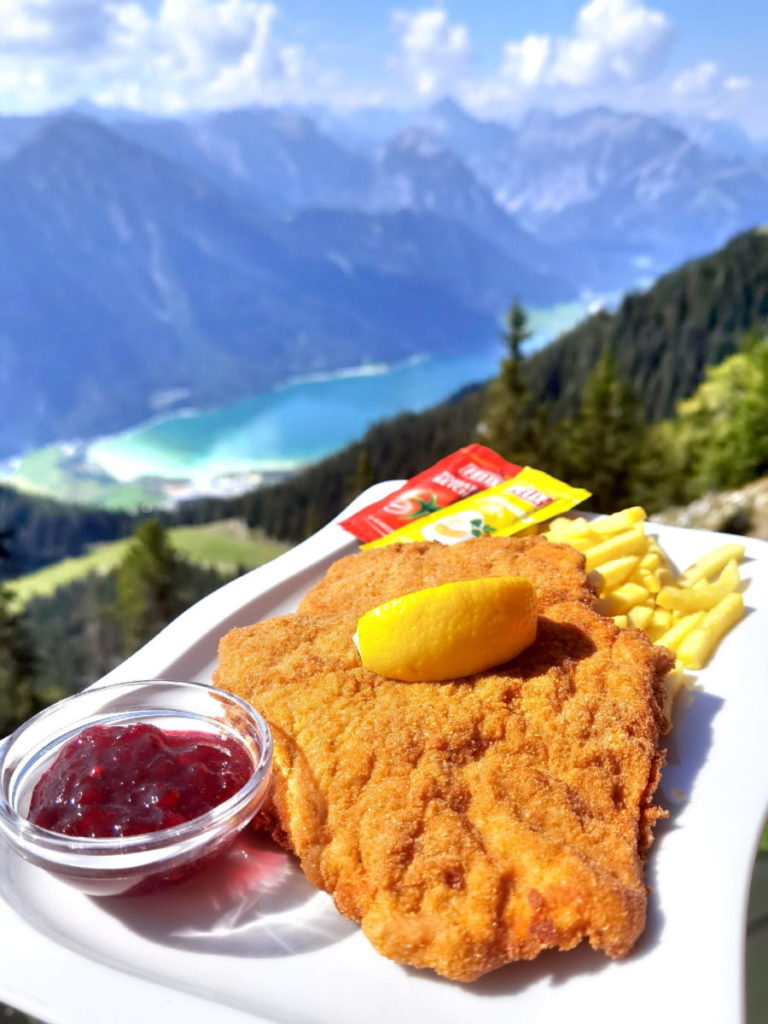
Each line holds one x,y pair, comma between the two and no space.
364,475
148,585
312,518
663,469
18,664
509,423
601,446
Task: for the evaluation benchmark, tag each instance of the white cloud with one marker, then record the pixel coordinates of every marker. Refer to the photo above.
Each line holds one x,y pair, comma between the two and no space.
199,53
434,53
705,90
704,84
612,41
54,26
737,83
616,52
176,55
696,80
526,62
187,54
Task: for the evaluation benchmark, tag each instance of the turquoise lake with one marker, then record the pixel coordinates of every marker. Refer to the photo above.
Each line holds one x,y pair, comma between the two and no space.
285,428
301,421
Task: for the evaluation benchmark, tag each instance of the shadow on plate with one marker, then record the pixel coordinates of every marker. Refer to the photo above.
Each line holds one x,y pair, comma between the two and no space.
253,902
692,717
555,966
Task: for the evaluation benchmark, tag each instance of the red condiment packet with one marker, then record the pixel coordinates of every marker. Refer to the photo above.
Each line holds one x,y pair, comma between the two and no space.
471,469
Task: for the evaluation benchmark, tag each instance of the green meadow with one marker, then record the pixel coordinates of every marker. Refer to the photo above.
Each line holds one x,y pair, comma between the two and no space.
225,545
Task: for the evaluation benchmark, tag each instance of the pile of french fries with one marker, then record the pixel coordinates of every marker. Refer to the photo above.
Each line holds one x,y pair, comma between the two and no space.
689,613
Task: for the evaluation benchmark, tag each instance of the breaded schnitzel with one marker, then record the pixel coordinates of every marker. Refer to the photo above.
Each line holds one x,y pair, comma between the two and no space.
361,581
465,824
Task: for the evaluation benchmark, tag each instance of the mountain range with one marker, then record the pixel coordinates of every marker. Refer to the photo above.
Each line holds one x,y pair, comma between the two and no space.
147,261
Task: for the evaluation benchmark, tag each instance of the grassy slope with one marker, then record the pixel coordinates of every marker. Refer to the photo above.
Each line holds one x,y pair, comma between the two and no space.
226,544
45,472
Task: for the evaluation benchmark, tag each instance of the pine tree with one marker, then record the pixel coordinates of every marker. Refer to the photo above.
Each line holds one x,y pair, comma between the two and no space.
601,446
312,518
18,656
663,469
18,664
364,475
509,422
148,586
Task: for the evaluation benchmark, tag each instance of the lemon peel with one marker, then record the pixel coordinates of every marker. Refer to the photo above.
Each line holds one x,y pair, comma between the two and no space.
449,631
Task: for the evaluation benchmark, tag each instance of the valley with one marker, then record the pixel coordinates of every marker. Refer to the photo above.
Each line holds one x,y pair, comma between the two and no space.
207,259
226,451
228,546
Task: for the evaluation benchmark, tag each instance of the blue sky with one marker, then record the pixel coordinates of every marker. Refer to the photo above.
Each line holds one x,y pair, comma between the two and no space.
498,57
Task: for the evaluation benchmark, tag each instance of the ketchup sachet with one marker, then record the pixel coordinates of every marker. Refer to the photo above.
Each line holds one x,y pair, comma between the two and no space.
469,470
528,499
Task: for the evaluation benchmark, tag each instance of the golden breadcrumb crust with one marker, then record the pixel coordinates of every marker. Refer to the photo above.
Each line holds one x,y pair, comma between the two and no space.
469,823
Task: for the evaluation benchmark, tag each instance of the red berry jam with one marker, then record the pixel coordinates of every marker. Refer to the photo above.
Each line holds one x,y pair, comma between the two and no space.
125,780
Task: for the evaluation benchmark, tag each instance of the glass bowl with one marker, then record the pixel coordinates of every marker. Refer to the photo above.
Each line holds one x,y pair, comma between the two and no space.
121,865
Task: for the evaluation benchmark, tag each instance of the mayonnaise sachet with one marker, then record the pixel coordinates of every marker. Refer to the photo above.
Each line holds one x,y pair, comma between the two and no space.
528,498
471,469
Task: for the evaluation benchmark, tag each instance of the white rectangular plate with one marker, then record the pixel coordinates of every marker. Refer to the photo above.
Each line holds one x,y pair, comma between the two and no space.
250,939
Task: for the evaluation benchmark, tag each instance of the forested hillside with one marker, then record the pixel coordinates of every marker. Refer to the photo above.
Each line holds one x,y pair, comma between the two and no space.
660,342
586,408
55,645
664,338
40,531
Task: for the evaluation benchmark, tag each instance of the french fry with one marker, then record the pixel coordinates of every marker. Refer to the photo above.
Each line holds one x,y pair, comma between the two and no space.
638,588
703,596
658,623
618,522
640,616
676,633
629,542
664,572
619,601
711,563
582,542
570,527
651,561
696,648
613,574
673,684
647,579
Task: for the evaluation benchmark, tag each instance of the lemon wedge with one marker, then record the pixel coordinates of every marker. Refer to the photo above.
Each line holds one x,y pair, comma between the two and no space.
449,631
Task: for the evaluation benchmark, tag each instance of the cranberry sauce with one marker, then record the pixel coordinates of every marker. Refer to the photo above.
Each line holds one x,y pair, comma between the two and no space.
125,780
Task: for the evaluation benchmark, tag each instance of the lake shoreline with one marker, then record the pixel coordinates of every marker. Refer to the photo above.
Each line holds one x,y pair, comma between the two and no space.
185,453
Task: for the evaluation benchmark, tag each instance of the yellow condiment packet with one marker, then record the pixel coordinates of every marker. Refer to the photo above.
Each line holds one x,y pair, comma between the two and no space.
526,499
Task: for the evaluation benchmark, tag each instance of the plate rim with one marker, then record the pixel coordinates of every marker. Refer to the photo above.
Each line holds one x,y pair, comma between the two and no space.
326,545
